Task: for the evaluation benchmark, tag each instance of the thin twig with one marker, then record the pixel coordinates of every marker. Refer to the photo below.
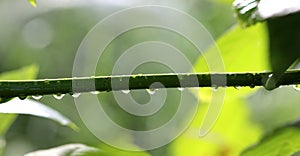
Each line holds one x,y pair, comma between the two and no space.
14,88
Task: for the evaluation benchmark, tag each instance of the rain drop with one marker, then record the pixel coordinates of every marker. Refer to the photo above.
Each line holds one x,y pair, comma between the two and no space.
237,87
58,96
252,86
95,92
214,88
37,97
75,95
297,87
151,91
22,97
126,91
180,89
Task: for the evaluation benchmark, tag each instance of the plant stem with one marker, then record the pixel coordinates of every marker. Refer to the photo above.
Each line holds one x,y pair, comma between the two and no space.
14,88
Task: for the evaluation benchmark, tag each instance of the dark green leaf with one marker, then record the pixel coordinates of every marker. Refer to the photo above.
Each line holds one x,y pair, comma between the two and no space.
284,49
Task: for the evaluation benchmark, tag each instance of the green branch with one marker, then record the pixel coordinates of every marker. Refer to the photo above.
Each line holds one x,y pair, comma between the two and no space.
11,88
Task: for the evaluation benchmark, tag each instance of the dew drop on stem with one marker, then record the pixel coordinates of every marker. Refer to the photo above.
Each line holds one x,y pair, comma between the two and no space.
180,89
237,87
58,96
214,88
22,97
151,91
126,91
75,95
297,87
37,97
95,92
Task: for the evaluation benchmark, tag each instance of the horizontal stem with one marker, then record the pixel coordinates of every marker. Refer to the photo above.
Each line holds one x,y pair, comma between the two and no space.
14,88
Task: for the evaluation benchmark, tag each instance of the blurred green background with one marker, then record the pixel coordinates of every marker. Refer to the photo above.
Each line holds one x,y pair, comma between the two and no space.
50,35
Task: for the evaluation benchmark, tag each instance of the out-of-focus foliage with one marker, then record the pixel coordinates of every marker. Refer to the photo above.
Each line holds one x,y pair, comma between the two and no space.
283,142
69,150
234,131
50,34
32,2
30,107
25,73
241,50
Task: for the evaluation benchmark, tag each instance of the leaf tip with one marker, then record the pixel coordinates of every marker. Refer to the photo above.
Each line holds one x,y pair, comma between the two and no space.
33,3
74,127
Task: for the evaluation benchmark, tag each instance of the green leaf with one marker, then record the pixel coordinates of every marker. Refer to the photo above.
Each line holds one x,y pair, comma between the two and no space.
28,72
69,150
284,49
30,107
32,2
283,142
241,50
24,73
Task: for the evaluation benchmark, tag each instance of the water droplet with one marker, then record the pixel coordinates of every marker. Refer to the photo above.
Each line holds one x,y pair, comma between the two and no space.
214,88
58,96
75,95
180,89
95,92
151,91
270,75
252,86
237,87
22,97
126,91
37,97
297,87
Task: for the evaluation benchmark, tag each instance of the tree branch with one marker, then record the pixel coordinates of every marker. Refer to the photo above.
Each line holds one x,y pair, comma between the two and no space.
14,88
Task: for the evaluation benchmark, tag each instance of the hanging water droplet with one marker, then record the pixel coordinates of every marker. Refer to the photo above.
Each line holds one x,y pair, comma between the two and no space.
22,97
75,95
237,87
58,96
297,87
252,86
214,88
95,92
180,89
37,97
151,91
270,75
126,91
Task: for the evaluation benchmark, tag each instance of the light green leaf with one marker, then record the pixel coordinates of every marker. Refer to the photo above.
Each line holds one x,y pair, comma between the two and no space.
24,73
30,107
69,150
32,2
283,142
241,50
